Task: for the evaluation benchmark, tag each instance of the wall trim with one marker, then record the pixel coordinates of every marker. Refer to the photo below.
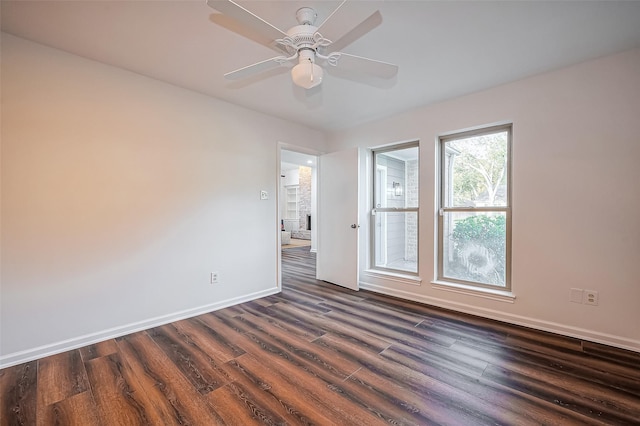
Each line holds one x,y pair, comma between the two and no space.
552,327
111,333
393,276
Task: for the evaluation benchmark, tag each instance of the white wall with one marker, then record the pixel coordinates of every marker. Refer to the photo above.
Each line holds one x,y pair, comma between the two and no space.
120,194
576,202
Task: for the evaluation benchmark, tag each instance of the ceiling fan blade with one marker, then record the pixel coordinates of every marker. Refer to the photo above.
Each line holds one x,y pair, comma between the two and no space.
328,19
340,22
358,31
244,16
256,68
363,65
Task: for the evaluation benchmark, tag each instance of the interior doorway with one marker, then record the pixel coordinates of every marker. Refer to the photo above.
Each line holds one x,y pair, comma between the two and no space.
297,200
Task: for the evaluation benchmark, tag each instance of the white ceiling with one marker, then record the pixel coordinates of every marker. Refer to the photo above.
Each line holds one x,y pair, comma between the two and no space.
444,49
292,160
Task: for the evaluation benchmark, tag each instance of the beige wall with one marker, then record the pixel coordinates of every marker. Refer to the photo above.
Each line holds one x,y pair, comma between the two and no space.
120,195
576,202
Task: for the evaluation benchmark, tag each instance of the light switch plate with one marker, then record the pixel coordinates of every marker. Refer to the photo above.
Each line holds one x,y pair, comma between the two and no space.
264,195
576,295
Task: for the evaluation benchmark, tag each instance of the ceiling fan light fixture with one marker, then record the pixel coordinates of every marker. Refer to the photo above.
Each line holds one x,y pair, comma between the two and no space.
307,74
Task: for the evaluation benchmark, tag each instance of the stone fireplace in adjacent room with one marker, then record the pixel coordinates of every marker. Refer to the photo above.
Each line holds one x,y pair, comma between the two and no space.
304,205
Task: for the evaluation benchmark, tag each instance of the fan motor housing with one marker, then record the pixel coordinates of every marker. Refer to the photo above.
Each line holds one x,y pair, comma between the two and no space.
302,35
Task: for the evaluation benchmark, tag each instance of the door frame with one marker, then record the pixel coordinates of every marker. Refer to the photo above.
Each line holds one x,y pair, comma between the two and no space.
283,146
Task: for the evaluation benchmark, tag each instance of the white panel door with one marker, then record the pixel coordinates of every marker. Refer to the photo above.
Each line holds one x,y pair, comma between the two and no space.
338,228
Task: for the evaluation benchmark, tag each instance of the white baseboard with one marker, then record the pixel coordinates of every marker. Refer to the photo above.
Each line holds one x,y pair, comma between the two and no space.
89,339
552,327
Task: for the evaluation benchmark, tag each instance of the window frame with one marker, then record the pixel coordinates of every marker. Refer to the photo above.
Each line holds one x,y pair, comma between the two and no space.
374,210
442,209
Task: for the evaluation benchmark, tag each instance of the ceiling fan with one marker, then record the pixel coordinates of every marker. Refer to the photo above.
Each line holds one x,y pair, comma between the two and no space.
306,44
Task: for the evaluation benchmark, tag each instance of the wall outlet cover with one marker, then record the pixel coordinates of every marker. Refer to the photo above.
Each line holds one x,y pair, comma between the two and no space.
590,297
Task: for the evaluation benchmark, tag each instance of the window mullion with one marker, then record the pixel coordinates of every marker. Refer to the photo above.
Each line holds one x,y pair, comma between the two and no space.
394,209
476,209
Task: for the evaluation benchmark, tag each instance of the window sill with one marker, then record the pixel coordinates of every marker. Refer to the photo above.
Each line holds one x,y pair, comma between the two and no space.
487,293
394,276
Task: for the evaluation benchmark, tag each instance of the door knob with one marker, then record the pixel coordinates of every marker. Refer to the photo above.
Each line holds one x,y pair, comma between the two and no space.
354,226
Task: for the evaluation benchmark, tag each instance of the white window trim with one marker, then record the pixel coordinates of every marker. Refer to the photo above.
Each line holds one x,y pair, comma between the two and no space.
393,276
471,290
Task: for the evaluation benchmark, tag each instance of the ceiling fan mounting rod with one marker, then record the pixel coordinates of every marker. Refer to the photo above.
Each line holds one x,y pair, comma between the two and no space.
305,35
306,16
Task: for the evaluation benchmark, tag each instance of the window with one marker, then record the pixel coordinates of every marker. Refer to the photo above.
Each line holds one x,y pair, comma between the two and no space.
474,220
395,209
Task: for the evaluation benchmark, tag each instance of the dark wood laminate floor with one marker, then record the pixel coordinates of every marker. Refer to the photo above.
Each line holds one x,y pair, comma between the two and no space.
320,354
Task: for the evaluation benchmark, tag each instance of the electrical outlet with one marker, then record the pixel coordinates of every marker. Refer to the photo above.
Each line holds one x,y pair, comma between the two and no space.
264,195
214,278
590,297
